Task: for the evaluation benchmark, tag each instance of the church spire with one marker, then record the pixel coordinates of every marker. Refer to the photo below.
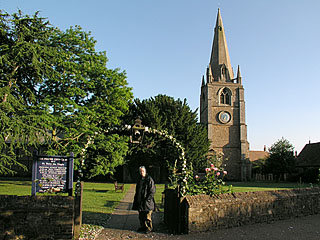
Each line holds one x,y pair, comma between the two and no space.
220,61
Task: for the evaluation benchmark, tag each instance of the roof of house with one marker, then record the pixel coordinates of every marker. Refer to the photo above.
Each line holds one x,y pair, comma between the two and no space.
309,156
257,155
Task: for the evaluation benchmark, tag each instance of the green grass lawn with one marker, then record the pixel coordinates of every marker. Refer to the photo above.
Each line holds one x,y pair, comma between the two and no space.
19,188
158,196
97,197
263,186
102,198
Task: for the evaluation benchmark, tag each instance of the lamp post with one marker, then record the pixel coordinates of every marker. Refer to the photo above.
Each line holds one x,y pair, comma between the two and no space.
137,132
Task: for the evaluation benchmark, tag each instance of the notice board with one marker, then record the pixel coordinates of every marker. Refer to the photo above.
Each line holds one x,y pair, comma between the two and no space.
52,174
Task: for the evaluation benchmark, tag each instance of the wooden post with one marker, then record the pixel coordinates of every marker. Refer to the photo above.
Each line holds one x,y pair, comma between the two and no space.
70,174
78,210
34,173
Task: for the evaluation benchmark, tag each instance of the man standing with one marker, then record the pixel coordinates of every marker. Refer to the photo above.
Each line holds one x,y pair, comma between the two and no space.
144,200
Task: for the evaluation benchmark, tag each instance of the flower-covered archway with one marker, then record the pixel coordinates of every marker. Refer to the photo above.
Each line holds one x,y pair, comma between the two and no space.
182,177
186,182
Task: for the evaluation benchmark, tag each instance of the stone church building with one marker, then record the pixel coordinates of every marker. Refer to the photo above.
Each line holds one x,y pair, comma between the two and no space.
222,108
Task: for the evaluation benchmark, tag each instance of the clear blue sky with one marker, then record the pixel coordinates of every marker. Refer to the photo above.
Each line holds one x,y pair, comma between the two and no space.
164,46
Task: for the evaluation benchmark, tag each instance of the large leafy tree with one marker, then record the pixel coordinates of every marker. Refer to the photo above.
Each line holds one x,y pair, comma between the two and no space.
281,159
91,101
56,90
25,58
175,116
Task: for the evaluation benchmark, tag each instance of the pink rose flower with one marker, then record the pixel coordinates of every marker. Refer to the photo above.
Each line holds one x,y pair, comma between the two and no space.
218,174
208,169
225,172
211,165
215,169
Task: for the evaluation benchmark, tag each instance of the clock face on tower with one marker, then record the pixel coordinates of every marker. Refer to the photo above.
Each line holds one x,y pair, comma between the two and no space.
224,117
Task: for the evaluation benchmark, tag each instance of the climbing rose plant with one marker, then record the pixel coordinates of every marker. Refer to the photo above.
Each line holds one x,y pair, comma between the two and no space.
211,184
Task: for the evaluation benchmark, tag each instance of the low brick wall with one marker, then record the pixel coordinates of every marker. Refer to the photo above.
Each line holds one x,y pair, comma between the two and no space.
36,217
204,213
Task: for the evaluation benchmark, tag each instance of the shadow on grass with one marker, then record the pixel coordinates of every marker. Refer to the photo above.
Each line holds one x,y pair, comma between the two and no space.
101,191
111,204
19,183
96,190
94,218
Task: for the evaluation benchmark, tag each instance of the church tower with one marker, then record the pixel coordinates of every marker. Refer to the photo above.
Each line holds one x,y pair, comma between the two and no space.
222,108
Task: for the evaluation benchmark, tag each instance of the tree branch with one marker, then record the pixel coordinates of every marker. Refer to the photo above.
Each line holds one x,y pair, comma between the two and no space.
10,84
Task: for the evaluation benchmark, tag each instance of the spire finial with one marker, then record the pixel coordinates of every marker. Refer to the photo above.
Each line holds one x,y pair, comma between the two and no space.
239,78
209,75
238,72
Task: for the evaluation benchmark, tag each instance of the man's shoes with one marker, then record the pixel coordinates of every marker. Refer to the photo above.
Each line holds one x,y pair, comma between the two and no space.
148,231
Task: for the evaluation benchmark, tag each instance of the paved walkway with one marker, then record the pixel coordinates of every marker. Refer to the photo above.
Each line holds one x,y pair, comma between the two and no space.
124,223
123,217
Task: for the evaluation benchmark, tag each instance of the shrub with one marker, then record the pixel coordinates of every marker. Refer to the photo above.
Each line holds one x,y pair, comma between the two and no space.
211,184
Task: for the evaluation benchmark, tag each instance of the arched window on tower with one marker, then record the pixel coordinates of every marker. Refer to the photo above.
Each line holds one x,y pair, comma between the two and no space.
225,96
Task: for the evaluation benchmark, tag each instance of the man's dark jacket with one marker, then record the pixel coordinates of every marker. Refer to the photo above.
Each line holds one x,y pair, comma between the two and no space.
144,197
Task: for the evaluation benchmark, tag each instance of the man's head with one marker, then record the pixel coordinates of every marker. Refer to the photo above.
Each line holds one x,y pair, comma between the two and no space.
143,171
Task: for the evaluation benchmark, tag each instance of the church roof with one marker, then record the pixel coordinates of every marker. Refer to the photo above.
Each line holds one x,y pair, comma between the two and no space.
257,155
309,156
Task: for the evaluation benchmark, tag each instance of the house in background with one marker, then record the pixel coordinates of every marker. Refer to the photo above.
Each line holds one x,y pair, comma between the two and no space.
258,155
258,158
308,162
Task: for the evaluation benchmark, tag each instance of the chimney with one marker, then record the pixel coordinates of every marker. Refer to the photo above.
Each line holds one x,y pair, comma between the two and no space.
264,148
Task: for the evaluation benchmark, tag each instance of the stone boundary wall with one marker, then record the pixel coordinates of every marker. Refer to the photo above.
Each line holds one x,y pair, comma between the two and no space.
36,217
204,213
